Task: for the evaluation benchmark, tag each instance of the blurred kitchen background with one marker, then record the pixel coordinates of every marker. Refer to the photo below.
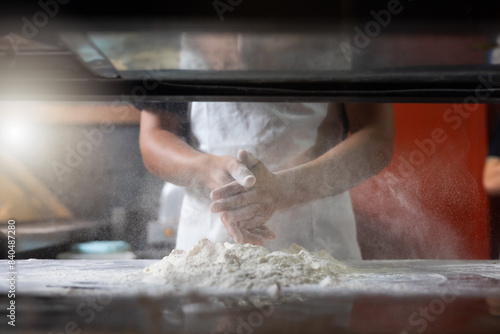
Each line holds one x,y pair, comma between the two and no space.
75,173
72,173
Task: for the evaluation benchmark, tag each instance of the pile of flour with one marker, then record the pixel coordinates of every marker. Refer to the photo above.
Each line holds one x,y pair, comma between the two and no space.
234,266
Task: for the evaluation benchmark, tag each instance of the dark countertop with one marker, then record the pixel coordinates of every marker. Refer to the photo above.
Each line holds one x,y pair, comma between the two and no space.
393,296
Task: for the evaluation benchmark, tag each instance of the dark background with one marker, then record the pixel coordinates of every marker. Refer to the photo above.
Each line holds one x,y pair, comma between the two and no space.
252,9
464,15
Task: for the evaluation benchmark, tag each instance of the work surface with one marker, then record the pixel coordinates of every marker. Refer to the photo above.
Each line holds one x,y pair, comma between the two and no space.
387,297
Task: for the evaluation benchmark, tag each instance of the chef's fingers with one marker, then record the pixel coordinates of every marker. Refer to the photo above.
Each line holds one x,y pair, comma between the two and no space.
234,232
263,227
247,158
255,221
238,237
227,190
232,229
234,202
241,173
252,238
265,233
242,213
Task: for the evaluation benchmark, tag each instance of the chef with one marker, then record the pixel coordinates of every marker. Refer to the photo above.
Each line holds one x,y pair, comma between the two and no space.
270,174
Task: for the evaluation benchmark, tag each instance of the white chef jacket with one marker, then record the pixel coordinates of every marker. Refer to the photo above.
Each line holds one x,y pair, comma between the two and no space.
274,133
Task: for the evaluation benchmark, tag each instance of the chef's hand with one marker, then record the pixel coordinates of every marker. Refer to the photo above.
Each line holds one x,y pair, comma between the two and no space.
218,170
248,207
214,171
256,236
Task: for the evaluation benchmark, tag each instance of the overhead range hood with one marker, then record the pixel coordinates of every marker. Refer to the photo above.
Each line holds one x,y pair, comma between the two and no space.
391,52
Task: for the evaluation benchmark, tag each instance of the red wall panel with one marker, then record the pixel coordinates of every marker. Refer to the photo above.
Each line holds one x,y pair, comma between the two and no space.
429,203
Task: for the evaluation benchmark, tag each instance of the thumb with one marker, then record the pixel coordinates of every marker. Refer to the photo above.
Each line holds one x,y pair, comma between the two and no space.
243,175
247,158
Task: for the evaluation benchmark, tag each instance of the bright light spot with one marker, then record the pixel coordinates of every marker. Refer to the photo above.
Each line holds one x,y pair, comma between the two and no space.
15,133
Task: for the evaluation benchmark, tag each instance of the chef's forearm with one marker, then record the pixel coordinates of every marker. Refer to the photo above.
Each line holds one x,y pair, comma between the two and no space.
168,157
356,159
165,154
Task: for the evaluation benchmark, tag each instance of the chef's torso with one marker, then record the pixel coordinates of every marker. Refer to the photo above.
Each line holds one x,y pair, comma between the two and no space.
275,133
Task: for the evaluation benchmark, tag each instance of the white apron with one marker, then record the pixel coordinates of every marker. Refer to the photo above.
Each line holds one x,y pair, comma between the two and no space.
274,133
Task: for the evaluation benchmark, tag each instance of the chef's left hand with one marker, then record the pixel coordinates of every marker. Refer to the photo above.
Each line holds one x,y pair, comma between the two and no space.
248,207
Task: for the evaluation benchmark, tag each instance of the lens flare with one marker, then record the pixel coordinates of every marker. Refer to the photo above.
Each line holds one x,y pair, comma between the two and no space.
15,133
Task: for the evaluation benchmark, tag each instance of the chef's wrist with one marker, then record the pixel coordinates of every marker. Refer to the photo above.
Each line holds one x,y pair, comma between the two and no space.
294,187
284,190
200,173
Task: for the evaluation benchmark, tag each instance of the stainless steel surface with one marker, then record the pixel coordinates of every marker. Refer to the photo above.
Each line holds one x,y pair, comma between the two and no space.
392,297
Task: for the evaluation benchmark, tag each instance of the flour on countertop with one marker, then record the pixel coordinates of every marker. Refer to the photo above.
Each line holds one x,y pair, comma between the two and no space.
235,266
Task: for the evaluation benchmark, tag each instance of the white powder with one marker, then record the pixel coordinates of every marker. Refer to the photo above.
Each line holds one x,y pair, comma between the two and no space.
225,265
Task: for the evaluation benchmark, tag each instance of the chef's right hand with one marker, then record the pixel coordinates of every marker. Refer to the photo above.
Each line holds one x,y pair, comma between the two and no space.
214,171
218,170
257,233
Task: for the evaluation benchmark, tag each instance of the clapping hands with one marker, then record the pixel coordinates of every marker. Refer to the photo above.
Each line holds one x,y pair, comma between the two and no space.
244,209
